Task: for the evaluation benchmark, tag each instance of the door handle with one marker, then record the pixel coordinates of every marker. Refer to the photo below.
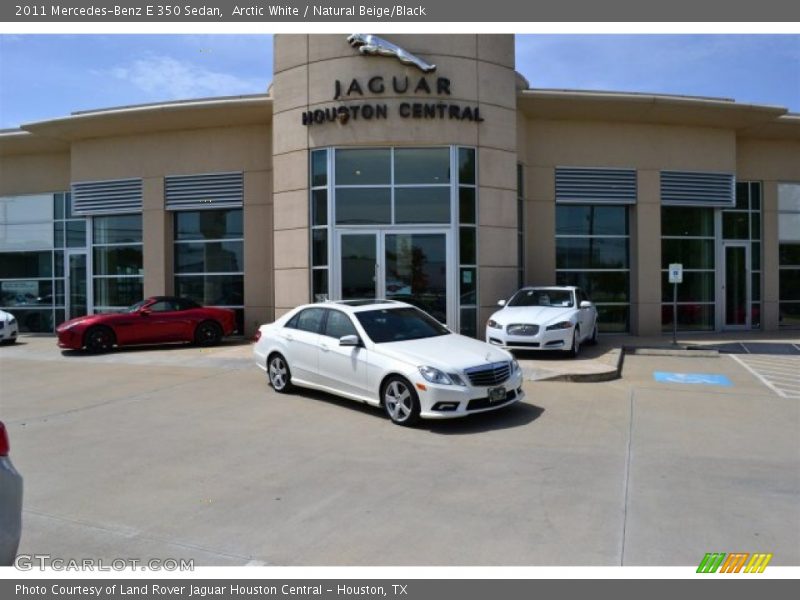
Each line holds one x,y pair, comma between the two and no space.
324,348
288,337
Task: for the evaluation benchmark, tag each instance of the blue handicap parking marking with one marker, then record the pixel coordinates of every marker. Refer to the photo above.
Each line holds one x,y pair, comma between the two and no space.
692,378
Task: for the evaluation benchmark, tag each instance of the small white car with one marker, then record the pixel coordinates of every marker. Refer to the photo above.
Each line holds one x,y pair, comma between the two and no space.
9,329
544,318
388,354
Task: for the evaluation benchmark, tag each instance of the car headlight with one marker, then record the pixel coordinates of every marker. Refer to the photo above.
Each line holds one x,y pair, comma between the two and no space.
561,325
515,365
434,375
493,324
11,321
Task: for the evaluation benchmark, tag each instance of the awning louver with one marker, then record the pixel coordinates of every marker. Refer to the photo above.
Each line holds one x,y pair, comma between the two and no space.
595,186
689,188
198,192
110,197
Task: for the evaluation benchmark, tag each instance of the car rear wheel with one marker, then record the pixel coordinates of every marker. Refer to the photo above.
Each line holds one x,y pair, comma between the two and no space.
99,339
400,401
280,377
208,333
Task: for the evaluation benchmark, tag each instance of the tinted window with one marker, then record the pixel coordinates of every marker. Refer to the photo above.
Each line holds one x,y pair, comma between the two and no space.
339,324
185,304
310,320
544,297
399,324
162,306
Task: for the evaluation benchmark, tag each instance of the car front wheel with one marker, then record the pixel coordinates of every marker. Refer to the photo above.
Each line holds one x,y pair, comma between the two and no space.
400,401
280,378
99,339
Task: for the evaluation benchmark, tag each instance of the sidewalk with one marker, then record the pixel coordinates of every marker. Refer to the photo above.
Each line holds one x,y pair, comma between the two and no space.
604,361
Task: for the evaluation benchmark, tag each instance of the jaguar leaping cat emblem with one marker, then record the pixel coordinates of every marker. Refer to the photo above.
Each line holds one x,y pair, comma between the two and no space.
376,46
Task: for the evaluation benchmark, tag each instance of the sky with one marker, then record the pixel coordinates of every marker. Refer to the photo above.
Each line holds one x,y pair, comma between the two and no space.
47,76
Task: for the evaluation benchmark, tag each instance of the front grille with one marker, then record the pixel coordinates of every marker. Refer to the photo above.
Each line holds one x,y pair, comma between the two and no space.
524,344
489,375
522,329
480,403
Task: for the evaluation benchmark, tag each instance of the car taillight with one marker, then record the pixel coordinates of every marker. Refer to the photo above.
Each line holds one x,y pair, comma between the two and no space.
4,447
257,335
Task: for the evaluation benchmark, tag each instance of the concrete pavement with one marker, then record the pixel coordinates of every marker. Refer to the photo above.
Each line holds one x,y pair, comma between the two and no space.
184,453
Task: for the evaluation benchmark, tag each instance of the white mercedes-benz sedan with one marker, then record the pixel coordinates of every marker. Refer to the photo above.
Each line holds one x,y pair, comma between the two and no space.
388,354
544,318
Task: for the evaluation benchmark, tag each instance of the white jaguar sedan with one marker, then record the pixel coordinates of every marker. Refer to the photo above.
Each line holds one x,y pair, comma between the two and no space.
388,354
544,318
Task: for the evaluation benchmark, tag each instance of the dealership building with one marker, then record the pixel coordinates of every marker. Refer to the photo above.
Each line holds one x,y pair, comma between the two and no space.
430,172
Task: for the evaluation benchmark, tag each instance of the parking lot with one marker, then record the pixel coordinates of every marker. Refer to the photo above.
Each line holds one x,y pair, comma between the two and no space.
183,452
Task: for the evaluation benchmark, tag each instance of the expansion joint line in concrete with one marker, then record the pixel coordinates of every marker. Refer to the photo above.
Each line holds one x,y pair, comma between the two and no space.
627,479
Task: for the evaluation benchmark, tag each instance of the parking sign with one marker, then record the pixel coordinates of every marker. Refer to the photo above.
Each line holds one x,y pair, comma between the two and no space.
676,273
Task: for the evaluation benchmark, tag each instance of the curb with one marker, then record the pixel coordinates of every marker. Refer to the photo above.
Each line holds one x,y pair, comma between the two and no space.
616,372
610,375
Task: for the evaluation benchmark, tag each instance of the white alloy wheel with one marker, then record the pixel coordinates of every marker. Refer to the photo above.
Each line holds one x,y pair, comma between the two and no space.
279,375
400,401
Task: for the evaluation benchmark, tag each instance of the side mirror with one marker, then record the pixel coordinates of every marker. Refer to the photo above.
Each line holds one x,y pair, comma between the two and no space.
349,340
586,304
501,303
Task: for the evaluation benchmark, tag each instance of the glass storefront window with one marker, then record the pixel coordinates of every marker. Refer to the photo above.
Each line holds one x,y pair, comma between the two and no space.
466,166
33,234
208,225
319,207
363,206
117,254
118,260
422,205
688,238
370,166
22,265
372,190
691,253
117,229
113,293
678,221
583,219
421,166
592,252
209,258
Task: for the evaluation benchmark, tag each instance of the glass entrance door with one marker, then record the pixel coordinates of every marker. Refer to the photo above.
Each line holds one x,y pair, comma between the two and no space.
736,287
408,266
75,267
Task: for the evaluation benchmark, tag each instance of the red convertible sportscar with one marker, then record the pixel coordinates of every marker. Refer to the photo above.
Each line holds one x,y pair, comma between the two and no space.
151,321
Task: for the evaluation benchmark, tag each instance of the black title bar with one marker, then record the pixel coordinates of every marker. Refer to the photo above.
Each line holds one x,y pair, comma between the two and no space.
397,11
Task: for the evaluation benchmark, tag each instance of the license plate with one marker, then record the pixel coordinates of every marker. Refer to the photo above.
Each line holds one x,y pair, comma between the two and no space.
497,394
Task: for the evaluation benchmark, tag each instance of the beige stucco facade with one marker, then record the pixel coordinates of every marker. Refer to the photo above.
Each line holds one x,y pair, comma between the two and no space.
266,138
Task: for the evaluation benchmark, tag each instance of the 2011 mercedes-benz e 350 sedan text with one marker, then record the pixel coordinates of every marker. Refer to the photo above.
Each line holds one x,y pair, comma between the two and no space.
388,354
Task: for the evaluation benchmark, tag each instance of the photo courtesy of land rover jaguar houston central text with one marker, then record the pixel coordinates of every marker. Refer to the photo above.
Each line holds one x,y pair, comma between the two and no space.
388,354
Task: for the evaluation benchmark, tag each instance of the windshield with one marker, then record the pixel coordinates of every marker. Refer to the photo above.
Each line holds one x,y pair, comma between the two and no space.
543,297
399,324
135,307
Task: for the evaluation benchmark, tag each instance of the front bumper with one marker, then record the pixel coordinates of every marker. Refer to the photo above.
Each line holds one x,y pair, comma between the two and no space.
452,401
9,332
557,339
70,339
